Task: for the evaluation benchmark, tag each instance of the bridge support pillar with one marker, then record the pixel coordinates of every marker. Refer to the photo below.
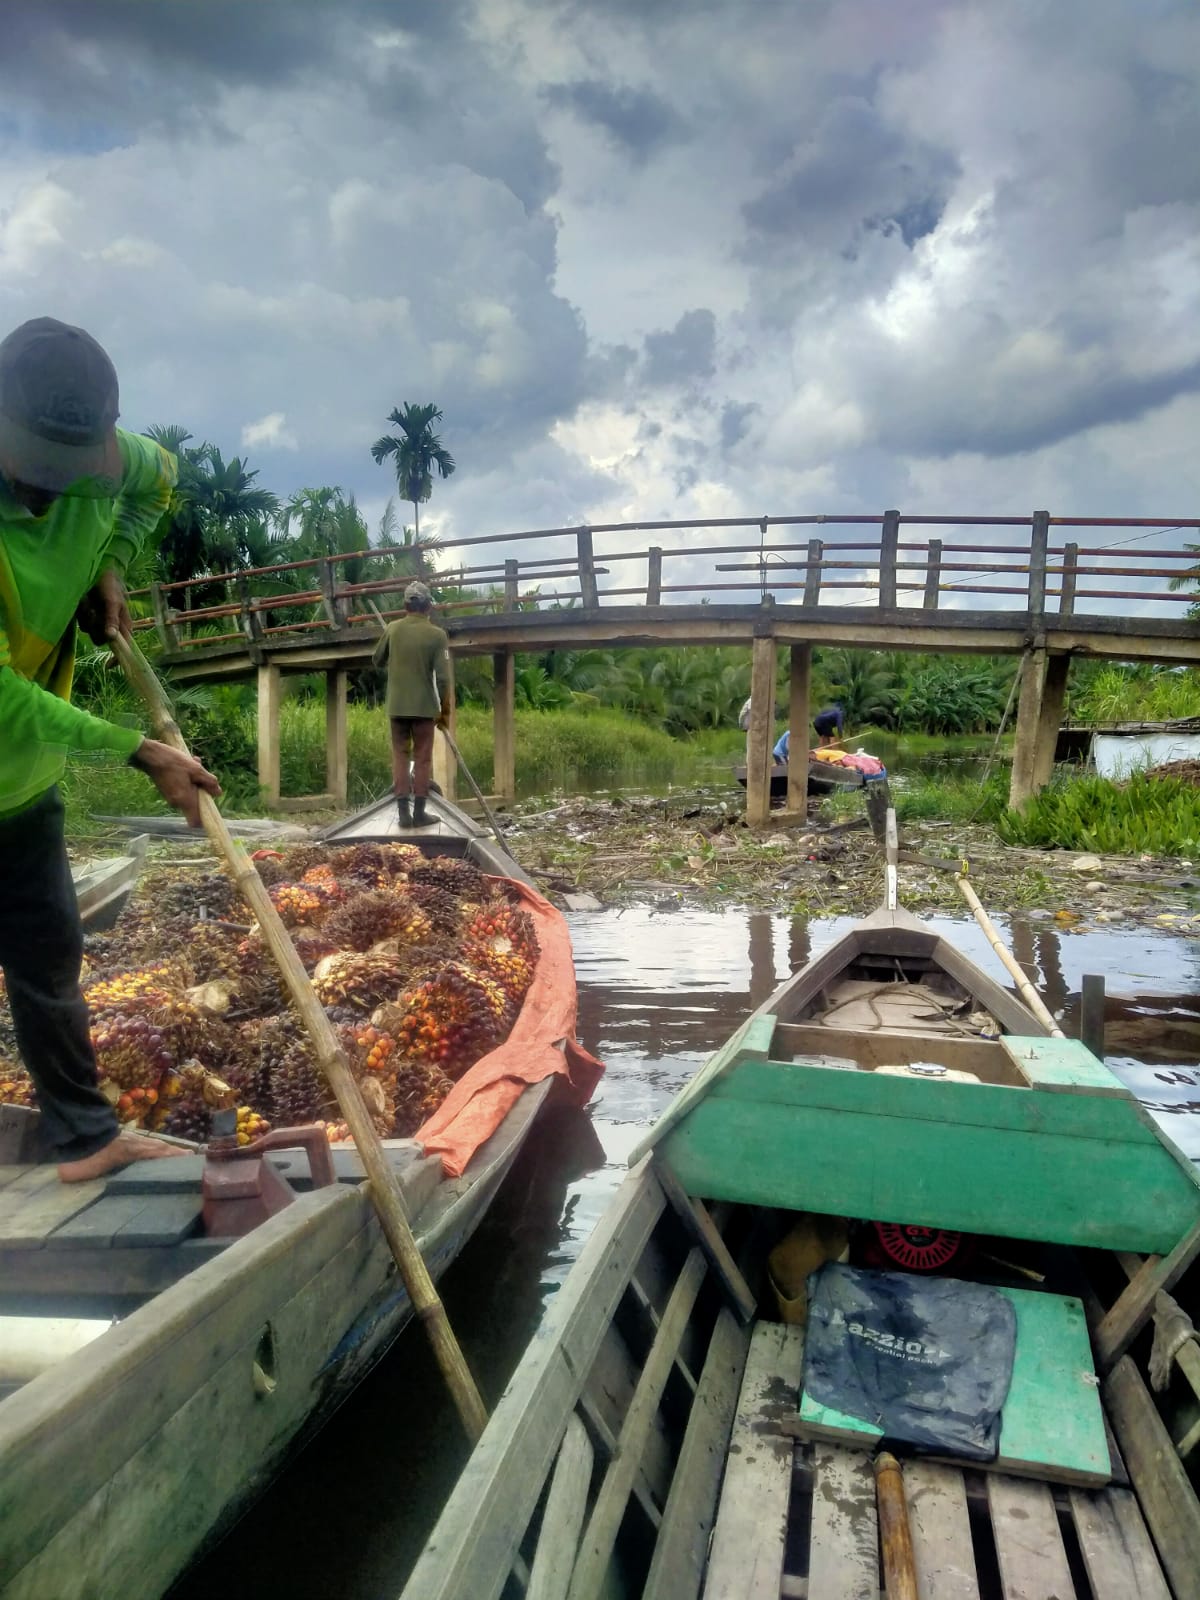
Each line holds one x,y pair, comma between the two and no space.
762,727
268,733
1039,715
504,745
798,701
336,756
445,767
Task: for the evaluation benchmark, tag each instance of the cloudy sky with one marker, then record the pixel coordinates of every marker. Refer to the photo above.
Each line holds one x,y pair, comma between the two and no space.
652,259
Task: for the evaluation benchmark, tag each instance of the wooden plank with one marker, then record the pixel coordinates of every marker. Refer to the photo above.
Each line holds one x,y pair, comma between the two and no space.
1117,1550
1062,1066
268,733
748,1541
1051,1187
1039,539
677,1566
1163,1488
10,1174
478,1534
587,569
843,1562
98,1224
605,1401
1029,1547
34,1205
760,736
799,687
654,575
941,1531
812,572
933,575
595,1550
165,1222
889,534
1135,1306
706,1234
566,1504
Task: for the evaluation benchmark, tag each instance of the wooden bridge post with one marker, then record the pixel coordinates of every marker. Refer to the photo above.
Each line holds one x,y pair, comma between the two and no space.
165,628
889,536
762,727
504,743
587,569
268,733
1054,694
334,607
1037,570
798,697
445,767
812,575
933,575
654,576
336,754
511,590
1066,590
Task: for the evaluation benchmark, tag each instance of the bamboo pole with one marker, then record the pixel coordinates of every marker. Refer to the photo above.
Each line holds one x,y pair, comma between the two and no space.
384,1188
895,1535
1028,993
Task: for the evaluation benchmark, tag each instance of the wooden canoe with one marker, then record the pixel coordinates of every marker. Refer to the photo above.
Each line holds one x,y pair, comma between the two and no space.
652,1441
102,888
120,1464
823,778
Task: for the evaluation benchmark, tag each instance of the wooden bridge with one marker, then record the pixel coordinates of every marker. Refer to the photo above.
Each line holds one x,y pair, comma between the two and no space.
875,586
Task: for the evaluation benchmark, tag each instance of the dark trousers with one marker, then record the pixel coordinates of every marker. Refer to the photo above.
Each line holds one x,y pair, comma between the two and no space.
41,947
417,731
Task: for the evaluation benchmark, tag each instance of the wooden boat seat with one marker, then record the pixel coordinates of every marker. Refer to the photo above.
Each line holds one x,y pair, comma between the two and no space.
799,1520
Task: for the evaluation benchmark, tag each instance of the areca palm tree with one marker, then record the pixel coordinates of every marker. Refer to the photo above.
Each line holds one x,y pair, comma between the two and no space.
416,453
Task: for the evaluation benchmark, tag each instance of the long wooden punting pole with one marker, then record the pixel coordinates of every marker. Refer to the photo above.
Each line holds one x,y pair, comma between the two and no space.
1028,993
385,1190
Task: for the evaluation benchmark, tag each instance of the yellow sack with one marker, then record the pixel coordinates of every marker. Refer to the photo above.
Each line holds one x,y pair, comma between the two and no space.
812,1241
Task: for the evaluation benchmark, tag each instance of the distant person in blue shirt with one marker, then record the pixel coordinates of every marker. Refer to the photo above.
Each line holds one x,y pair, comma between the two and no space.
829,726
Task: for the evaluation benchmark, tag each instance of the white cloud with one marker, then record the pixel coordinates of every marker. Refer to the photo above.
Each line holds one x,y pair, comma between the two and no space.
269,433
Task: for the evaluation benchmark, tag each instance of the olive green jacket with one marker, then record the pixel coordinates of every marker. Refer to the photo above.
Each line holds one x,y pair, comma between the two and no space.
414,649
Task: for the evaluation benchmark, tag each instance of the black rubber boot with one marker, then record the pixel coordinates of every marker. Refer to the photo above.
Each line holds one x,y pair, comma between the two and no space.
419,819
404,811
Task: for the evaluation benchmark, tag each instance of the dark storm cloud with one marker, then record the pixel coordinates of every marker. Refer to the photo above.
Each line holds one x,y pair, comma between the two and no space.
637,120
683,353
735,422
854,172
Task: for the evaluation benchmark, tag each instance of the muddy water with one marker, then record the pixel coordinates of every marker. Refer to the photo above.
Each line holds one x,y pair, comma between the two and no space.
657,992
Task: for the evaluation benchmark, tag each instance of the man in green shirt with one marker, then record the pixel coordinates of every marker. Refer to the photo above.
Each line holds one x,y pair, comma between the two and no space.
77,496
415,651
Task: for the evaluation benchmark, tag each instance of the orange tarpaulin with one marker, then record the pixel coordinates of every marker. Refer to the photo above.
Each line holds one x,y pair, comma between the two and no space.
541,1043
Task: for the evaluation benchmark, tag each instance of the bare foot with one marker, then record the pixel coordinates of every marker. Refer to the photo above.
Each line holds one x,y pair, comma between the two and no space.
124,1149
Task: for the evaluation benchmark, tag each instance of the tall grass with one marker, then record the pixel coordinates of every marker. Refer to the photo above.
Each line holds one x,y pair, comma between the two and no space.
1152,816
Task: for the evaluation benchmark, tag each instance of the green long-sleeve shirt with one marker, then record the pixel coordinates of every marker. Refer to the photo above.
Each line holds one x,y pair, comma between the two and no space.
47,565
418,674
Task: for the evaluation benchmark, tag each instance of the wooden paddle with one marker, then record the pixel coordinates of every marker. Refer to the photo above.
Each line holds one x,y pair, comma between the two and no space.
384,1188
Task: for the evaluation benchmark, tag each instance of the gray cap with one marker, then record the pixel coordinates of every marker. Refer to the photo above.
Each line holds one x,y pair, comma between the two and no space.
58,407
417,594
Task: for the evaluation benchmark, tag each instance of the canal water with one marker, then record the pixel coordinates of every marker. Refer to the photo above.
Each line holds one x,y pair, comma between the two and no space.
658,991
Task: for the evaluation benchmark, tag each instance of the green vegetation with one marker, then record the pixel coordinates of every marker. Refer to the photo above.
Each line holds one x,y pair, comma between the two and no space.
1151,816
1117,692
415,451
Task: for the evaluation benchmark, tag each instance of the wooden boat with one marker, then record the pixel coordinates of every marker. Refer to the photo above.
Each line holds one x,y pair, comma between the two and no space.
121,1462
657,1438
823,778
102,888
453,833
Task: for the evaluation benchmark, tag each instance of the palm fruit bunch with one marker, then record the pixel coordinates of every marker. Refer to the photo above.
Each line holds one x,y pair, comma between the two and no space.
232,1051
250,1125
136,1105
455,1016
269,866
359,978
300,905
367,1049
314,947
363,866
16,1086
369,917
298,1092
213,896
420,1089
500,940
336,1132
300,858
453,873
257,982
185,1115
131,1051
441,905
212,949
322,878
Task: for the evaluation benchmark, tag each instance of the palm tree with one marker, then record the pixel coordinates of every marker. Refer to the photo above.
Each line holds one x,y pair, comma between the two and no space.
416,450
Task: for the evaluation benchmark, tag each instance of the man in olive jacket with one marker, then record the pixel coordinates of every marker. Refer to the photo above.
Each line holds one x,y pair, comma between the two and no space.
415,650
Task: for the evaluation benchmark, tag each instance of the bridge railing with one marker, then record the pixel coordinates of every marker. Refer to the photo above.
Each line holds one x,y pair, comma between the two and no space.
563,567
